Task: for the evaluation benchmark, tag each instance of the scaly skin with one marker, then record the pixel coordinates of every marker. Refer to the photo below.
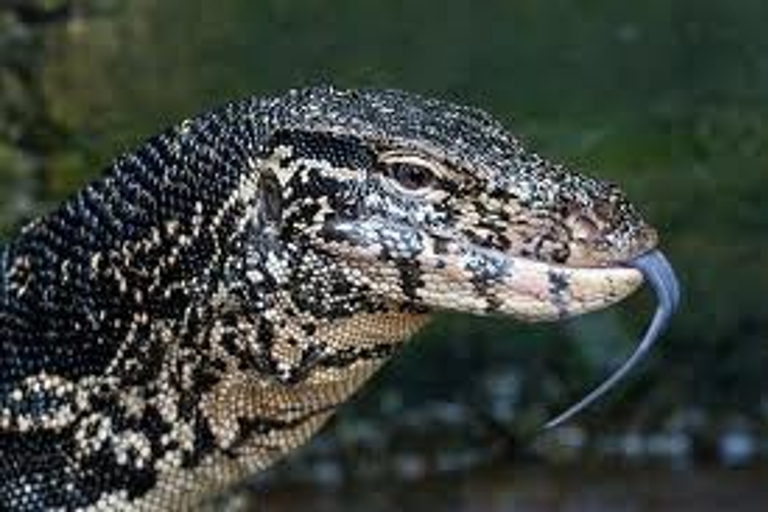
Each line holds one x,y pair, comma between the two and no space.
202,309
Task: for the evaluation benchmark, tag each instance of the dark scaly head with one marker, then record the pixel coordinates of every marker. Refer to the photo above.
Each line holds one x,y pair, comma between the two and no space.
431,206
438,206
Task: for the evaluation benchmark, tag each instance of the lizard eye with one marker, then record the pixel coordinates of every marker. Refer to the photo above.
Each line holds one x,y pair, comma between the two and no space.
410,176
409,172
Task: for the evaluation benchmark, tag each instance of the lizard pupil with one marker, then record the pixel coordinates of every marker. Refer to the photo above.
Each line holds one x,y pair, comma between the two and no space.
410,176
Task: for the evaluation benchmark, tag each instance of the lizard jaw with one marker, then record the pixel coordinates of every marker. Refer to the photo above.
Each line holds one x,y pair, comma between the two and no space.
458,275
486,282
461,276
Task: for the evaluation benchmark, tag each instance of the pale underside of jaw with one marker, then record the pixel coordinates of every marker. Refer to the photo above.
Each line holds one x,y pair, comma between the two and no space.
483,281
465,277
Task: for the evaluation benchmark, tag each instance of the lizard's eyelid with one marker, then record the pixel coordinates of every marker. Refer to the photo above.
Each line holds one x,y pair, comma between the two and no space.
410,172
409,175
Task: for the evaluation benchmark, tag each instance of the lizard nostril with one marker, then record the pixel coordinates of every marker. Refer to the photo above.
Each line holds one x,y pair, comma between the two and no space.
583,228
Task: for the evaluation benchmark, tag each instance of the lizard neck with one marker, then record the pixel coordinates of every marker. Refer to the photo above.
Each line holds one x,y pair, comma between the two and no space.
208,373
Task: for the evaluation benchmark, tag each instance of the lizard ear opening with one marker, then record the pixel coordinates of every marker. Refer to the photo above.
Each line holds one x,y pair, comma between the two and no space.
270,199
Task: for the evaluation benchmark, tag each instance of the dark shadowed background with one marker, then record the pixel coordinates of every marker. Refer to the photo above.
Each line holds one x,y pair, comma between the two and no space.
666,97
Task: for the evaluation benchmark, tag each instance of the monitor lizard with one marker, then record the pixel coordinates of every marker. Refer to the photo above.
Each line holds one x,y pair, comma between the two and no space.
200,310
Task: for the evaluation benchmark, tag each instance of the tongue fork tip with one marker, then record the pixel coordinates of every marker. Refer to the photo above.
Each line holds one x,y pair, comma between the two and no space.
658,272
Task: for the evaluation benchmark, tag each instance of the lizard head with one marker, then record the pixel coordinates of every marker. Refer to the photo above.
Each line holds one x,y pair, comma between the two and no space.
431,206
438,206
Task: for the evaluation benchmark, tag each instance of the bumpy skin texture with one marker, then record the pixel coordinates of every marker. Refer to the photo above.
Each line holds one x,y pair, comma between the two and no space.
202,309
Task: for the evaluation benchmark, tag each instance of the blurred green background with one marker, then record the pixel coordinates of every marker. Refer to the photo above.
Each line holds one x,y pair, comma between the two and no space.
666,97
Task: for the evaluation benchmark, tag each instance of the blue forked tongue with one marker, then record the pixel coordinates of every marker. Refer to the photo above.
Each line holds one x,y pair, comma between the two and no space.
658,272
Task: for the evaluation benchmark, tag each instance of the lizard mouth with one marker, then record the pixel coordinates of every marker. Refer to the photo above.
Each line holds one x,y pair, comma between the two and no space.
457,275
658,272
452,273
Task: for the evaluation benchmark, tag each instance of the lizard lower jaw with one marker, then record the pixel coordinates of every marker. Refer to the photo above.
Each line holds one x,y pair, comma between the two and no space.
542,292
526,289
